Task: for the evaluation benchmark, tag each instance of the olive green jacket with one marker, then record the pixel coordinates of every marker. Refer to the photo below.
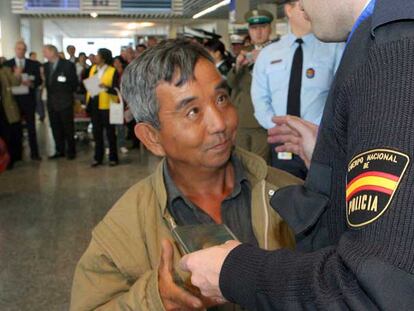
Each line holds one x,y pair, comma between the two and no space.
118,271
240,82
7,80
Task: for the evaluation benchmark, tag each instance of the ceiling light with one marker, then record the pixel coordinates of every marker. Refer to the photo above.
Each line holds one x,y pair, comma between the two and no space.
139,25
94,14
212,8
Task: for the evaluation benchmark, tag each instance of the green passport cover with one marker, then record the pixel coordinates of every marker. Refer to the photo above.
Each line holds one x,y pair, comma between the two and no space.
193,238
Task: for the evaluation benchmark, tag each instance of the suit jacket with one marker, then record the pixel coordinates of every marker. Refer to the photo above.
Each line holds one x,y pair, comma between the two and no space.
60,84
32,68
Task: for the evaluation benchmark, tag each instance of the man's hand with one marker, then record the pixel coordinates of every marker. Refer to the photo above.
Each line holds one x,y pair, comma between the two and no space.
297,136
205,267
173,297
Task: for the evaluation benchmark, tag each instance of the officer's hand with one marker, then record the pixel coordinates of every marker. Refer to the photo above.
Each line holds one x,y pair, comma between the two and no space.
242,60
205,267
297,136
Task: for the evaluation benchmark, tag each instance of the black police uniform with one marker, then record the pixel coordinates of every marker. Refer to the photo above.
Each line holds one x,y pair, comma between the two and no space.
354,216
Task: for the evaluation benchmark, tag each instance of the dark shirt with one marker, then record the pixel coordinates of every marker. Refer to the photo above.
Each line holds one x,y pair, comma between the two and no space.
235,209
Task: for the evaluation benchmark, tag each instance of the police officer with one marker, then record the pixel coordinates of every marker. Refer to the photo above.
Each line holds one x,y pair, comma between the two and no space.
293,76
354,216
250,135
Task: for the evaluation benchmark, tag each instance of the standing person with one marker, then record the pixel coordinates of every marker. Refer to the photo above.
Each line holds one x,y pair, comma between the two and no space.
218,52
354,239
99,107
236,44
293,76
71,50
120,65
10,117
139,49
27,102
61,83
33,56
251,135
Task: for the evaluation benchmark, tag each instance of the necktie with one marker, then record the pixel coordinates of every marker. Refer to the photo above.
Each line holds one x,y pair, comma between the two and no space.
295,82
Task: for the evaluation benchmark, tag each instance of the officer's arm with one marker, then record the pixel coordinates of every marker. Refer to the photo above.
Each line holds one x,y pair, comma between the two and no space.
371,266
261,94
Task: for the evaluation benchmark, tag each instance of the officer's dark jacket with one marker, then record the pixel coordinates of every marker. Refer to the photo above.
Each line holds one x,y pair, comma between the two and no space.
60,90
340,264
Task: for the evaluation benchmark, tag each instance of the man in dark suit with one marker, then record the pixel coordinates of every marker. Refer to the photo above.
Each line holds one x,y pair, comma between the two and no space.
61,83
27,102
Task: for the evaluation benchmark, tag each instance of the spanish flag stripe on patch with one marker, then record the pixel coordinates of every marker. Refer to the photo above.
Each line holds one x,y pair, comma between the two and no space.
374,173
368,188
371,181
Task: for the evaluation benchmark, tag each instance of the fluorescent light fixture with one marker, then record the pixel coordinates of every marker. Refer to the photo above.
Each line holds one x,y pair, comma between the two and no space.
212,8
133,26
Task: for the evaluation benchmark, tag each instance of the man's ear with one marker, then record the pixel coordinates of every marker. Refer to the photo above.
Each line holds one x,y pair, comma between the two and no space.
149,136
288,10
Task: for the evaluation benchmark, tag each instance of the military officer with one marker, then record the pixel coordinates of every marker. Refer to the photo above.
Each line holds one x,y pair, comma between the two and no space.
251,135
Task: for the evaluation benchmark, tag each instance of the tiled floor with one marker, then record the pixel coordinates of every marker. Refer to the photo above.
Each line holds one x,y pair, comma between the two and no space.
47,212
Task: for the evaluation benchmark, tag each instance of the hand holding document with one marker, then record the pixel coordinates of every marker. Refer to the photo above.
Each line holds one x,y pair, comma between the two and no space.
92,85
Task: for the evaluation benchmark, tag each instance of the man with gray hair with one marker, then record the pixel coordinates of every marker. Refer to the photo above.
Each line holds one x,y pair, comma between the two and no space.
353,218
184,115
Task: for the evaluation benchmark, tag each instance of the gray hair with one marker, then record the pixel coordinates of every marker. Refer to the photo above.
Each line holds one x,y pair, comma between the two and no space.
160,63
51,47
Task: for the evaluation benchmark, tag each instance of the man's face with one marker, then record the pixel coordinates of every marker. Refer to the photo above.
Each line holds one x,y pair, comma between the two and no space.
297,17
260,33
48,54
236,48
20,50
331,20
198,121
71,50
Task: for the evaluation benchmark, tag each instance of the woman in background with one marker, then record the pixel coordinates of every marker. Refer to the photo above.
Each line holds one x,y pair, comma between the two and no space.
98,107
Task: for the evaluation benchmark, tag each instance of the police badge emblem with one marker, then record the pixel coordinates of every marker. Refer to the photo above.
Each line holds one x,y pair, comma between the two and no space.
372,180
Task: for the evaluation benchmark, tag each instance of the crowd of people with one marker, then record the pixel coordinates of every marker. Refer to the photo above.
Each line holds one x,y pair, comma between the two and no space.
289,157
55,87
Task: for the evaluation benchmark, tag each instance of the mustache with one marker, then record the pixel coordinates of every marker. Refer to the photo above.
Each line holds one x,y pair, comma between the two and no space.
218,140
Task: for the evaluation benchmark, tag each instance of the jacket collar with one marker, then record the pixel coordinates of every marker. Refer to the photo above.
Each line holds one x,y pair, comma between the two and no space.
388,11
255,170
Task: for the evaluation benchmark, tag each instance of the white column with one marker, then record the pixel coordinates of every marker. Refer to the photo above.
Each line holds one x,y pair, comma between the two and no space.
10,29
36,36
172,30
222,29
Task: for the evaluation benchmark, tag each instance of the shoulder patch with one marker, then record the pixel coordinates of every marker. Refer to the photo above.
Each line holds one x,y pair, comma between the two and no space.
372,179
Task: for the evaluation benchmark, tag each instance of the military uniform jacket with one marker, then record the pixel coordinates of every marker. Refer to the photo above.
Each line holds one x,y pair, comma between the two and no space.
354,216
240,82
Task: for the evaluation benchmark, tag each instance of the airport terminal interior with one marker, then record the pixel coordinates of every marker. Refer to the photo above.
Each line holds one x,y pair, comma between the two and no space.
48,208
211,111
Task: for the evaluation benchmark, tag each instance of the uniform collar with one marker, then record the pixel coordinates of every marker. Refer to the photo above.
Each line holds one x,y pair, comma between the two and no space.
309,38
366,12
387,11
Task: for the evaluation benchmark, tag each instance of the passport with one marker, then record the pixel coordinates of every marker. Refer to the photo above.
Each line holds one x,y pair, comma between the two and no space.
192,238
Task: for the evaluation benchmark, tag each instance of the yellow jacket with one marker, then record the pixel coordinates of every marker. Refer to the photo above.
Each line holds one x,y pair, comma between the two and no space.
118,271
107,79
